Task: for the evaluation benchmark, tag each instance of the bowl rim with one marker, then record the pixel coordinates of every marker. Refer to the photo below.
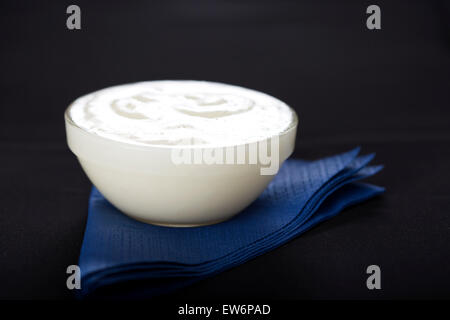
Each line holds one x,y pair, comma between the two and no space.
69,121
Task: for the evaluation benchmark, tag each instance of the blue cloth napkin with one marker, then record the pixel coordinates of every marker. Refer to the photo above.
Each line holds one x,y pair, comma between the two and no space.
117,249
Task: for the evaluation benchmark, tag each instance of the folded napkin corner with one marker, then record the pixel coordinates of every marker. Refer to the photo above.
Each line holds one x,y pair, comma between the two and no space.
155,260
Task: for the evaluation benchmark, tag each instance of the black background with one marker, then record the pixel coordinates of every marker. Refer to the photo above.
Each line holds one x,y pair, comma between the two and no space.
385,90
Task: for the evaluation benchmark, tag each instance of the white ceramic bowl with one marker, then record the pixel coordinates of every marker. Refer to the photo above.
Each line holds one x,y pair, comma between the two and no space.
145,183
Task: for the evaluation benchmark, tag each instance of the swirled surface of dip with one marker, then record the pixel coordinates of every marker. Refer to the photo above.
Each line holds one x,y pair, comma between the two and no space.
171,113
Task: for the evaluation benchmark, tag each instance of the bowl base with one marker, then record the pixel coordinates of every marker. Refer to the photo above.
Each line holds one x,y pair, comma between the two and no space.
177,225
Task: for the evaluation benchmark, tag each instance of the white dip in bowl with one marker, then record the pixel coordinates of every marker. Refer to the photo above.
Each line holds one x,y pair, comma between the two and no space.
180,153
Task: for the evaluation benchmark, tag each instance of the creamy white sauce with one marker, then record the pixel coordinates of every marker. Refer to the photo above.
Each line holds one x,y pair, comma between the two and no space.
181,113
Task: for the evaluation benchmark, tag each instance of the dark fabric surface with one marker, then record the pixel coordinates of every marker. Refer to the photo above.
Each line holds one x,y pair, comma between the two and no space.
386,90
